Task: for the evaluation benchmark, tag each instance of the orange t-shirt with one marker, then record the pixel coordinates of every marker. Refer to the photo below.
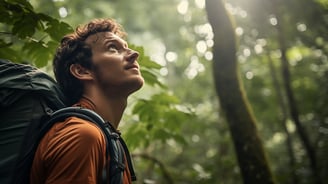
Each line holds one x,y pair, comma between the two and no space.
73,151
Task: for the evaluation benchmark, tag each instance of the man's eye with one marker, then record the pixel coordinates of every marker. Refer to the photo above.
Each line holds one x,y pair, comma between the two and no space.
112,47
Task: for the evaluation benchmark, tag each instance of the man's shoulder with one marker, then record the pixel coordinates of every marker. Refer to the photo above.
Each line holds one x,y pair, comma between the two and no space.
72,134
74,130
82,127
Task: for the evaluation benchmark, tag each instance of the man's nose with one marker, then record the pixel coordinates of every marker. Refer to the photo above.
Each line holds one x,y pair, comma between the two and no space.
132,55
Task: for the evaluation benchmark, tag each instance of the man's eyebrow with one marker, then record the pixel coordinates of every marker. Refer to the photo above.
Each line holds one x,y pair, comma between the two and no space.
125,44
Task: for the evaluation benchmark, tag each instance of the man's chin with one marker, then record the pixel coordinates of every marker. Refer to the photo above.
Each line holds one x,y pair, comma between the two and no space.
139,84
135,85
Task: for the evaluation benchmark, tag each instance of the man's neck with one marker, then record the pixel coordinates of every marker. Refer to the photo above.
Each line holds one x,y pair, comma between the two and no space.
110,109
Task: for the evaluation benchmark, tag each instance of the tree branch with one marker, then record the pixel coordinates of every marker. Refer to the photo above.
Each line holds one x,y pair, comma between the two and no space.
162,167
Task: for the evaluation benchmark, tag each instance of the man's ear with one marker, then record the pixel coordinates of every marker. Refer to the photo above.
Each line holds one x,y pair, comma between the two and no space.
80,72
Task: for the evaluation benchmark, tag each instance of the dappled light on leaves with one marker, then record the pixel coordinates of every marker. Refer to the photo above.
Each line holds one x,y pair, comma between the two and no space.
194,68
273,21
171,56
63,12
182,7
239,31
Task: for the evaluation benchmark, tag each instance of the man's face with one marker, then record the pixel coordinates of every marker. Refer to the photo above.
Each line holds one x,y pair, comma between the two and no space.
115,66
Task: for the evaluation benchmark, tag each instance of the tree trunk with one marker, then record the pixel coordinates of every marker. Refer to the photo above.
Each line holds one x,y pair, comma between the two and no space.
283,120
250,153
290,96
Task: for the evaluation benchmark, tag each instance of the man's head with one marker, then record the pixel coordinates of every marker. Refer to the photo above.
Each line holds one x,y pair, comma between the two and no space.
98,48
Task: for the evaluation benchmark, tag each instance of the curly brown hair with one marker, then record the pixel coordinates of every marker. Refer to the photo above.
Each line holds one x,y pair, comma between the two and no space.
74,50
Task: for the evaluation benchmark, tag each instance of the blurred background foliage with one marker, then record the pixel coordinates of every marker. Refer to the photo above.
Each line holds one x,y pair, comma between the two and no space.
174,125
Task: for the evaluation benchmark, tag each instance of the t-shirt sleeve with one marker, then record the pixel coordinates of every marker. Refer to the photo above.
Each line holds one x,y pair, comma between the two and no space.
75,153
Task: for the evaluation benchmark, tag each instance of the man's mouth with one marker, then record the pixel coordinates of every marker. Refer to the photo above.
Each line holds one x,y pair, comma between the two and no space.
132,67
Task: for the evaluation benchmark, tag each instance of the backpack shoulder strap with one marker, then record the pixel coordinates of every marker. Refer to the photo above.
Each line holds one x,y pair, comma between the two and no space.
115,146
128,158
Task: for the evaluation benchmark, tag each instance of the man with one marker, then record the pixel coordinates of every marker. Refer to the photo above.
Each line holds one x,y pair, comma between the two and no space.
96,70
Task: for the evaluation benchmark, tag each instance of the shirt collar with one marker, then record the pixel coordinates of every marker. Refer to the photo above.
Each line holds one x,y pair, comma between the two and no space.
85,103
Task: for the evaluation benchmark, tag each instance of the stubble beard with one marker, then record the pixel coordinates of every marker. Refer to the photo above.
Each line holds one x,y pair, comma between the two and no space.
113,89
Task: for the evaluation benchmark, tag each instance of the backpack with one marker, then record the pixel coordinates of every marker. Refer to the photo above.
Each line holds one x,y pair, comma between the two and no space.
30,103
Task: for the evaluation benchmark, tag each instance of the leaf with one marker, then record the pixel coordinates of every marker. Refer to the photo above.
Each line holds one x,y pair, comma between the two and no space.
10,54
162,134
55,28
4,13
145,60
165,98
150,78
146,110
22,3
25,26
39,52
180,139
133,138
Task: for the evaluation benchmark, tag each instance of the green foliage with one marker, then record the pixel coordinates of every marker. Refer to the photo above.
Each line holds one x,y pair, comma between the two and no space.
323,3
31,36
159,119
55,28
